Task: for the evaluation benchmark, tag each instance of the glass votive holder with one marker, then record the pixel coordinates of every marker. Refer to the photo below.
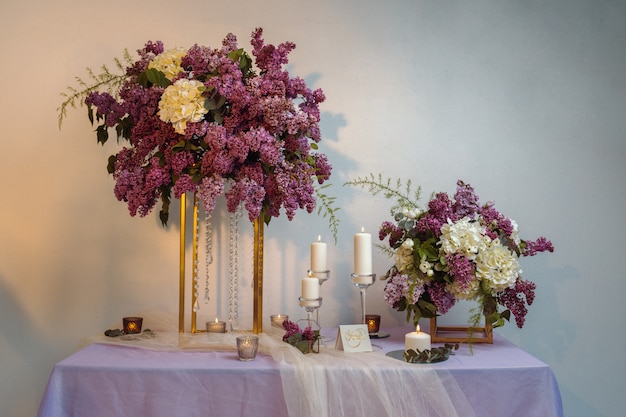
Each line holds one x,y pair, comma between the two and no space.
132,325
216,326
247,346
278,319
373,324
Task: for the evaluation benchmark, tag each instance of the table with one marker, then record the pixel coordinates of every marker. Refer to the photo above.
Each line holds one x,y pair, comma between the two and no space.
498,380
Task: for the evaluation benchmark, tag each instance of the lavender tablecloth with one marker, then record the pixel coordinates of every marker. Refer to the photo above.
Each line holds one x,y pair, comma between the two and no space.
105,380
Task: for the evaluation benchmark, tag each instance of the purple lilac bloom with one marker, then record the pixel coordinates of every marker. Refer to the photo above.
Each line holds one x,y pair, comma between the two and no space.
183,185
493,218
107,107
515,299
461,269
210,189
540,245
428,223
291,328
147,54
440,296
465,200
393,231
308,333
439,211
395,288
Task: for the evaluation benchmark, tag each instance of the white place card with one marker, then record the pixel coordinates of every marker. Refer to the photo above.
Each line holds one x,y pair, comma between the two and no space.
353,338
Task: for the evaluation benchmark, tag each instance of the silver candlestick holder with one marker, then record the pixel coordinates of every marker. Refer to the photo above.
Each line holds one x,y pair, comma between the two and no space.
363,282
310,305
322,277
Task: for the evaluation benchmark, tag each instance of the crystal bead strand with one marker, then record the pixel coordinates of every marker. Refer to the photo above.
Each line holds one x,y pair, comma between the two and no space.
233,267
208,247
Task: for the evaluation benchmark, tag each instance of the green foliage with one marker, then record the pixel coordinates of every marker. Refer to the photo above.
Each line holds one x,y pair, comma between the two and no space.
105,80
437,354
327,209
153,76
403,193
305,345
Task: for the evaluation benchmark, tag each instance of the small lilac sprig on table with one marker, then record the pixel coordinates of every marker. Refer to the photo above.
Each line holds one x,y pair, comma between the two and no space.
303,339
455,249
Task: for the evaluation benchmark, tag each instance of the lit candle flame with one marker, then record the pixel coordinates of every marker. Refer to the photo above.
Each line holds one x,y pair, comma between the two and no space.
417,328
216,320
319,238
363,229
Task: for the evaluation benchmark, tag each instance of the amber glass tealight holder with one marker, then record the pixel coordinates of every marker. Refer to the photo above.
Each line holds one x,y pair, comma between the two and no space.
132,325
373,323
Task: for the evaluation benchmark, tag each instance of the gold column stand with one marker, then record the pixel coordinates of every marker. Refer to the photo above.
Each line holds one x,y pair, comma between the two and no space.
257,319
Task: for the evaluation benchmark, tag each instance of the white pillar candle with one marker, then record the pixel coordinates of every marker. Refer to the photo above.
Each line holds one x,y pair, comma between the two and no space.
319,256
363,253
417,340
310,288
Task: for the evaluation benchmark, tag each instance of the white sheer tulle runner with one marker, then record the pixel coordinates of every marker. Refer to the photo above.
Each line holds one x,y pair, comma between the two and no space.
332,383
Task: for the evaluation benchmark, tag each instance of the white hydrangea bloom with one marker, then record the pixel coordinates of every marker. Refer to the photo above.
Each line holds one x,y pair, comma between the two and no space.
499,266
182,102
464,237
168,62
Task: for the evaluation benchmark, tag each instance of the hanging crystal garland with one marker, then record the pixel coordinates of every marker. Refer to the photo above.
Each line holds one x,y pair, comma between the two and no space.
208,247
233,268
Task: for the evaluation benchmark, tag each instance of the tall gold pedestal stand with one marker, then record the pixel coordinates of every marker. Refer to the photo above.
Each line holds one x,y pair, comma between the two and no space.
257,319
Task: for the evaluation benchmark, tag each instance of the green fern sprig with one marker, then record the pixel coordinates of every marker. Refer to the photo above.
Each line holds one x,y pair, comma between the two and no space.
401,192
106,80
327,209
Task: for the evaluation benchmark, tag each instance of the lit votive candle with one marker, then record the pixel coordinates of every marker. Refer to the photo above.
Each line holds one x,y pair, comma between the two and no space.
417,340
373,323
247,347
132,325
216,326
278,319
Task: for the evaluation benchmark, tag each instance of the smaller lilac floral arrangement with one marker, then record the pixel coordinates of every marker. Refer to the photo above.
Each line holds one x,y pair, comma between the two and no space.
304,340
455,249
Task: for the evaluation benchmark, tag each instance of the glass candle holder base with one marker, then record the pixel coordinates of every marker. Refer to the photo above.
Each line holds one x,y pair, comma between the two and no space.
247,347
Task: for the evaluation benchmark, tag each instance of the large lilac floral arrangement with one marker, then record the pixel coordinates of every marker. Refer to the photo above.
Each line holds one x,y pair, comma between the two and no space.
456,249
213,122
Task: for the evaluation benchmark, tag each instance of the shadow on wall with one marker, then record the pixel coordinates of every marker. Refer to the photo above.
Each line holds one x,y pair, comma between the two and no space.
24,368
546,330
